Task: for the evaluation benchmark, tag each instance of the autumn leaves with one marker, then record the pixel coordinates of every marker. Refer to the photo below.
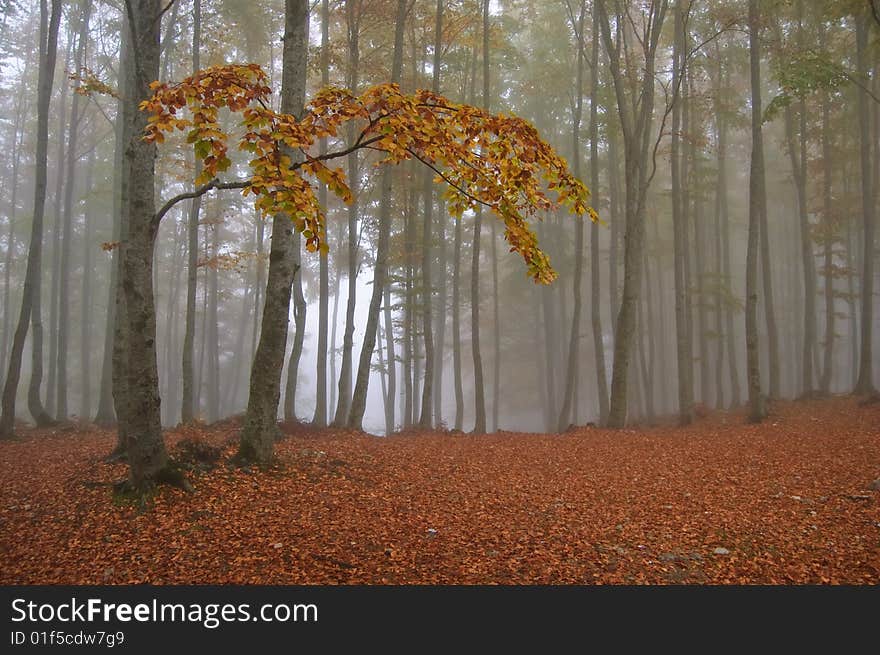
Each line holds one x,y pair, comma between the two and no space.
494,160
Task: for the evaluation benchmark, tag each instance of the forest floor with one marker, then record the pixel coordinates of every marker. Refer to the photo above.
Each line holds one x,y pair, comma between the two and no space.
722,501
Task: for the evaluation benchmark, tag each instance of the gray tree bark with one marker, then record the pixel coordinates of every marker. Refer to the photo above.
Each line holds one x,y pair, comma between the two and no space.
260,423
757,202
30,293
380,274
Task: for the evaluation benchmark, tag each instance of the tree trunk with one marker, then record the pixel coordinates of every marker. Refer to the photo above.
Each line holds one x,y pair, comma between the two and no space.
679,226
299,321
636,128
797,157
30,293
320,417
17,143
67,219
190,400
343,405
260,423
106,414
757,200
865,382
380,274
565,414
479,390
827,247
86,324
137,397
595,286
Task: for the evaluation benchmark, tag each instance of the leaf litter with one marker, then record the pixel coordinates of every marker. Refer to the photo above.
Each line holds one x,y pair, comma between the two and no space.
788,501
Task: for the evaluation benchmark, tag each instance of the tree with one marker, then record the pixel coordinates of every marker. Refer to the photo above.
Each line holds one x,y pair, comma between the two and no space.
679,222
190,401
380,275
636,112
30,301
865,382
498,162
757,205
260,428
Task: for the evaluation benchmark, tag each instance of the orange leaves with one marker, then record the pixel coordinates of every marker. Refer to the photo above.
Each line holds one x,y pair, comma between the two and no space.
494,160
718,502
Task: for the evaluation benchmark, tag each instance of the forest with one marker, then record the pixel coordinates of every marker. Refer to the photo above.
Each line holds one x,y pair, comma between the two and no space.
513,291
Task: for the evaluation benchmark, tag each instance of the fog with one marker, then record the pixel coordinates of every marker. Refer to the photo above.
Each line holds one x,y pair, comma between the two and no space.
685,137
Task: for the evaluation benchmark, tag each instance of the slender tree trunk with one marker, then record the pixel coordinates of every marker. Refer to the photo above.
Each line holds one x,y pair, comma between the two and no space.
190,400
17,142
565,414
865,382
260,423
479,389
797,157
30,293
57,228
380,275
636,126
679,226
595,286
320,417
86,323
212,336
426,419
724,214
392,361
827,247
67,219
106,414
757,201
299,320
343,405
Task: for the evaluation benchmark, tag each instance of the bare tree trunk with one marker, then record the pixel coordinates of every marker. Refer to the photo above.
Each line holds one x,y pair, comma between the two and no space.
320,417
299,320
30,293
679,223
456,328
865,382
636,128
86,323
757,202
106,413
17,142
212,336
57,220
479,389
67,219
343,405
595,286
392,359
380,275
427,414
565,414
798,160
827,246
190,399
137,397
260,423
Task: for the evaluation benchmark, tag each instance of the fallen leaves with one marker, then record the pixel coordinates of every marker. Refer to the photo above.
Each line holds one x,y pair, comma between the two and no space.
719,502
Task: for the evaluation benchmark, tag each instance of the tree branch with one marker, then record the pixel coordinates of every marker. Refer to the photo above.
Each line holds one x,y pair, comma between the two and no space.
196,193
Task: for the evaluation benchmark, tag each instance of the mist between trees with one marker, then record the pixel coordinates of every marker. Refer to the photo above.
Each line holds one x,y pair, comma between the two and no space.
731,149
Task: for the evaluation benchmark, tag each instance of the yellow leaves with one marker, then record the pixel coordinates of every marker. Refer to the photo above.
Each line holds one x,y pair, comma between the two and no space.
495,160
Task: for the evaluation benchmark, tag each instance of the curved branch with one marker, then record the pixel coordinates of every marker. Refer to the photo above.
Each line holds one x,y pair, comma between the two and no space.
196,193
